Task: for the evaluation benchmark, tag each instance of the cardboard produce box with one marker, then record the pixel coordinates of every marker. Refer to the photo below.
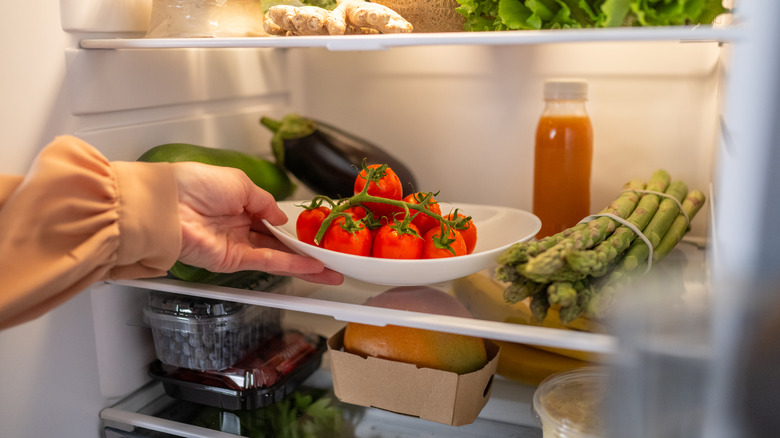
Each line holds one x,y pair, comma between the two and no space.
440,396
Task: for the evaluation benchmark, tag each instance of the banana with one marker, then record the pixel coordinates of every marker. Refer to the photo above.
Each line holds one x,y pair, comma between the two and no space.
530,365
484,297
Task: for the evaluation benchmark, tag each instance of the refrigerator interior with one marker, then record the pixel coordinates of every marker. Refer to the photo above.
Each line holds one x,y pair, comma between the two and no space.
455,114
461,115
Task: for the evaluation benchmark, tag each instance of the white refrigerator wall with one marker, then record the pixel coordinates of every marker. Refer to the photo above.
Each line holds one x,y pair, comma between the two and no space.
464,117
461,117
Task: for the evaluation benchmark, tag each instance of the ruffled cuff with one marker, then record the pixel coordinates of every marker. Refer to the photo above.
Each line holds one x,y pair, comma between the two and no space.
149,228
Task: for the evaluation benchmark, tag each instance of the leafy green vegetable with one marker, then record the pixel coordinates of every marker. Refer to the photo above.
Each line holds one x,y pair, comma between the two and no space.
482,15
326,4
306,413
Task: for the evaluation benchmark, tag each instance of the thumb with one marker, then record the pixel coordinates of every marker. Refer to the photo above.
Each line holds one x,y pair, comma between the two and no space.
261,205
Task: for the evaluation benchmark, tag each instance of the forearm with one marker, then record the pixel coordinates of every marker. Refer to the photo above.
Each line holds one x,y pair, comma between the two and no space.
76,219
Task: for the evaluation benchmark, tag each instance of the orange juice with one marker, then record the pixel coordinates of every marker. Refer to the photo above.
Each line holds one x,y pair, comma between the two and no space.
562,160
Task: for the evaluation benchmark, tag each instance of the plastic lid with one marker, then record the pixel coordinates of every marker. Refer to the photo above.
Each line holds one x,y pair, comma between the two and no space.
190,307
566,89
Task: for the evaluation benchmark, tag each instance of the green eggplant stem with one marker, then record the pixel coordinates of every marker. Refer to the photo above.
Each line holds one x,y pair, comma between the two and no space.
271,124
291,126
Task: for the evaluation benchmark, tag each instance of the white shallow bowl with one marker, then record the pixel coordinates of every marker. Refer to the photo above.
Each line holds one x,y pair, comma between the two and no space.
497,229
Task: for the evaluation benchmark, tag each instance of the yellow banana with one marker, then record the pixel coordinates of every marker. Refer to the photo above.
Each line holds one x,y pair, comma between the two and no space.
530,365
484,297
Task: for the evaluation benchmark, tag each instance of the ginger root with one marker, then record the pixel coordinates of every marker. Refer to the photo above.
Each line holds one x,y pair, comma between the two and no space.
349,17
296,20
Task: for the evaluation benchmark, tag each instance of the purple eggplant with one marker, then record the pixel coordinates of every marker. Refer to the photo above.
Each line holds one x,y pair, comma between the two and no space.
327,159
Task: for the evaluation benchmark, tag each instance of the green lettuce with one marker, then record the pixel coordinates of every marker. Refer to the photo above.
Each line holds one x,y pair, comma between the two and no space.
306,413
483,15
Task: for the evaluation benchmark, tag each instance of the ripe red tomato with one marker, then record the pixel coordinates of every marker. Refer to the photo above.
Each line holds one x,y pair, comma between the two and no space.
355,241
430,251
469,233
357,211
309,222
422,220
388,186
389,243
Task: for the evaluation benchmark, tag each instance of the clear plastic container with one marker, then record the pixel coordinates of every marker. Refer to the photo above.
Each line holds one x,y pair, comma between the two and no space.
206,334
570,404
206,19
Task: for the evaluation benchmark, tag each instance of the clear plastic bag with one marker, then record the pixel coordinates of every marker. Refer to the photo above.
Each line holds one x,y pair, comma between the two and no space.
206,19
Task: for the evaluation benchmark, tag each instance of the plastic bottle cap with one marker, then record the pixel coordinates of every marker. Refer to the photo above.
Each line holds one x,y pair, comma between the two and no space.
566,89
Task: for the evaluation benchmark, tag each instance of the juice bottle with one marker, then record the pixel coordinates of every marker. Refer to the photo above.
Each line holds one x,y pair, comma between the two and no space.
563,156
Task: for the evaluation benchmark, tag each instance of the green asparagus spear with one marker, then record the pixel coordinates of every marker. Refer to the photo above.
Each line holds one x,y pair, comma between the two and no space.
692,204
594,262
563,293
667,211
519,290
585,292
521,251
573,298
512,261
539,305
596,230
563,274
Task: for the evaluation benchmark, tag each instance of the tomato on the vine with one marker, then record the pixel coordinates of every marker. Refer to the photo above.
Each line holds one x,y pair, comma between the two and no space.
469,232
455,240
388,187
341,237
392,243
308,223
358,211
420,219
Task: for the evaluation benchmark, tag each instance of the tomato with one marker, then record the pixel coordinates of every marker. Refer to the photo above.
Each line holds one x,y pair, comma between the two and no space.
422,220
430,251
357,211
469,233
309,222
388,186
356,240
390,243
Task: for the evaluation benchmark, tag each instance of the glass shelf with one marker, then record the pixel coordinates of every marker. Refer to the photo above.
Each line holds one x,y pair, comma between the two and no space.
387,41
342,303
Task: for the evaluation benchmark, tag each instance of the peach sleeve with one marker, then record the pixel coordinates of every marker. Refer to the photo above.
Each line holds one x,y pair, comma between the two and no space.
76,219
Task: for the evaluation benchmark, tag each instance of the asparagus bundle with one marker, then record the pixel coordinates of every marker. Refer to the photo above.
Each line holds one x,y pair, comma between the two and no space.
580,269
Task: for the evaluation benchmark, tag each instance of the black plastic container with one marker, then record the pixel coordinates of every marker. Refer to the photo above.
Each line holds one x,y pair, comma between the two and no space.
266,375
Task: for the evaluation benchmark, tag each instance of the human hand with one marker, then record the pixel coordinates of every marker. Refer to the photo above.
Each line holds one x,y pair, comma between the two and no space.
220,211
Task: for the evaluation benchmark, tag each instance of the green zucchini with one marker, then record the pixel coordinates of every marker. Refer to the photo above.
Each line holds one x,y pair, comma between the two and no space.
265,174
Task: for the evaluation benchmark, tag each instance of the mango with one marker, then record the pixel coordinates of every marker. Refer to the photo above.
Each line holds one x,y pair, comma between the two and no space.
425,348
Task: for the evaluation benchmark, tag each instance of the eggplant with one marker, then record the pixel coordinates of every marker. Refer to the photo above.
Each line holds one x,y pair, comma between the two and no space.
327,159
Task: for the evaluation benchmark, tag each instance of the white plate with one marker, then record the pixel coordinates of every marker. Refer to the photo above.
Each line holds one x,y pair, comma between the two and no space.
497,229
